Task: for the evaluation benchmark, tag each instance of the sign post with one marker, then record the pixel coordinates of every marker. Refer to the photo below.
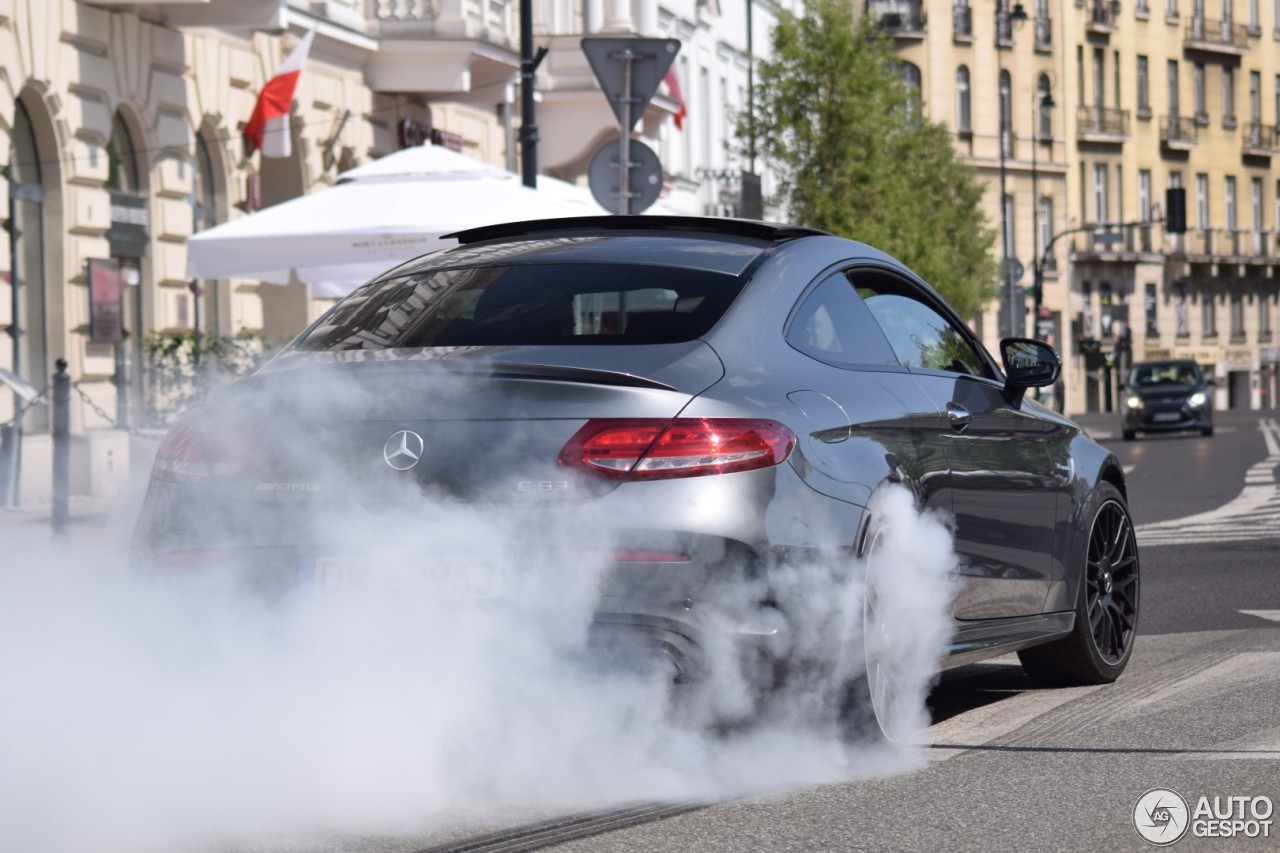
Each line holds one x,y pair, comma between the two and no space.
629,71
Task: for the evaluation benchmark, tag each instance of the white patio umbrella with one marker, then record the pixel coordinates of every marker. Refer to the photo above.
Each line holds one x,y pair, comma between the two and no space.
337,238
425,161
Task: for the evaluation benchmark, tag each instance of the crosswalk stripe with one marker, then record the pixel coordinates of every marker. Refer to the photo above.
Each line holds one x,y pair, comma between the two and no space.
1270,615
1253,514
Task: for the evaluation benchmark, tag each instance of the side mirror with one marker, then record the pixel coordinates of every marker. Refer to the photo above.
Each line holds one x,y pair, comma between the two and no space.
1027,364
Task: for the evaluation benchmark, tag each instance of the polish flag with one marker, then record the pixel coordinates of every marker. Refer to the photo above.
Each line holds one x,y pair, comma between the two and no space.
268,127
673,88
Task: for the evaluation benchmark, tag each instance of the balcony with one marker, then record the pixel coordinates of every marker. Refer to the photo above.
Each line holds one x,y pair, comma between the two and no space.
1102,124
1260,140
1178,133
962,23
453,46
1044,33
1124,243
1248,246
1104,16
899,19
1206,34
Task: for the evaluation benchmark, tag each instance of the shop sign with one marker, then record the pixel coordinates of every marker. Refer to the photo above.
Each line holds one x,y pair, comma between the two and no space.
106,286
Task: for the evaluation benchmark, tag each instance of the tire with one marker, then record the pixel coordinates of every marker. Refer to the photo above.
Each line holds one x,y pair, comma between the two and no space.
1100,644
867,713
1128,435
1207,432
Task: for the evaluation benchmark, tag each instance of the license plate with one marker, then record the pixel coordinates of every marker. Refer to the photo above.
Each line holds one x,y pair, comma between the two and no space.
1165,417
454,580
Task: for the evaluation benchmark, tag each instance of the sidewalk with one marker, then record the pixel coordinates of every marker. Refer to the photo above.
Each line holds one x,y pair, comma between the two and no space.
100,521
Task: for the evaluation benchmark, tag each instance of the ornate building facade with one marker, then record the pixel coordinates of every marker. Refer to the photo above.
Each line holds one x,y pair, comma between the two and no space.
120,134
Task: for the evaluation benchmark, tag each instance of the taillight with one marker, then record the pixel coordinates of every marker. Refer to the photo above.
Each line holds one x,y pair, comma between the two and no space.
188,456
619,449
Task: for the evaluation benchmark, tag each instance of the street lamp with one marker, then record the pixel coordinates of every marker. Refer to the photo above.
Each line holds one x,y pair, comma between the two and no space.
1005,18
1044,102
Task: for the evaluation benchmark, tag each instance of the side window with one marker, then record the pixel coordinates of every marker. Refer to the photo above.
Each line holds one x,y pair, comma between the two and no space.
918,334
833,325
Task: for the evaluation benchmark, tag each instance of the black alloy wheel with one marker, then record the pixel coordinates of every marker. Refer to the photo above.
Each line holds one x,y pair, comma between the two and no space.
1111,583
1099,646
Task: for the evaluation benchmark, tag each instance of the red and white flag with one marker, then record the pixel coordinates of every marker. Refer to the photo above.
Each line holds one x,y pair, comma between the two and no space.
673,89
268,127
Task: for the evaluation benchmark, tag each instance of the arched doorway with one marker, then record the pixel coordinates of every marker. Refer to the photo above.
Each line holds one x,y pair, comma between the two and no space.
207,195
129,242
30,332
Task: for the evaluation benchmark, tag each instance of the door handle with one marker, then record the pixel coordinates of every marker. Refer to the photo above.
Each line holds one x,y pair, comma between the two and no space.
958,416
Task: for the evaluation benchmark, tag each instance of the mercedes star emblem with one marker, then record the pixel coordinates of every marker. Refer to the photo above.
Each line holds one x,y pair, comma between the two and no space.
403,450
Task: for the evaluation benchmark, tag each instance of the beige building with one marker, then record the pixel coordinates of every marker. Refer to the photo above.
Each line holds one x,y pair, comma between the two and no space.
1143,99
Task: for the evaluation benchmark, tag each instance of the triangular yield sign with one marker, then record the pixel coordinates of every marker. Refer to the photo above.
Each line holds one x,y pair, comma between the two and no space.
650,59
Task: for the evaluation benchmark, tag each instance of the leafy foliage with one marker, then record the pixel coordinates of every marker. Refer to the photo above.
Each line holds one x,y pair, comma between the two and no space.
856,156
185,367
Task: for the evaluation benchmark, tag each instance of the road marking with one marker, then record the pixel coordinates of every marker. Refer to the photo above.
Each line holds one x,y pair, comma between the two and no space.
1254,514
1128,469
1271,615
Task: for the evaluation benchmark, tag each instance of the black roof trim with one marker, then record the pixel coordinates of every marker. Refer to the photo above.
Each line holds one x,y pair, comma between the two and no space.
579,225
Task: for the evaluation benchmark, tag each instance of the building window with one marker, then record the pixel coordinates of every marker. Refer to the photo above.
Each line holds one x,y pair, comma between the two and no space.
1264,316
1100,193
1144,88
1149,305
1229,202
1255,97
122,164
1198,91
1257,201
1208,318
1080,73
1275,214
1237,317
1171,9
1228,97
1254,24
963,105
1144,195
1115,78
1105,309
1171,69
1181,327
1044,97
204,214
1202,202
1086,309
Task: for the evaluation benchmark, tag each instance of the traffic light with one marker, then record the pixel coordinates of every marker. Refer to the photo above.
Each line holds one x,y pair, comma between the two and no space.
1175,205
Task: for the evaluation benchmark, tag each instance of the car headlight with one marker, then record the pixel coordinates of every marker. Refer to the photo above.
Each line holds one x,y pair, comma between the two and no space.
1134,402
1197,399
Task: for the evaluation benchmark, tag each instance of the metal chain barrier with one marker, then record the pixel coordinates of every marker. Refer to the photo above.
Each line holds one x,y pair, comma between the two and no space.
150,435
42,397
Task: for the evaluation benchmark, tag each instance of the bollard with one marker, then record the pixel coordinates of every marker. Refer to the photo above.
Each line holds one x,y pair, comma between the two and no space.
61,448
9,459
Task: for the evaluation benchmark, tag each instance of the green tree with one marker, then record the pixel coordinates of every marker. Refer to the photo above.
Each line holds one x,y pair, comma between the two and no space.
856,155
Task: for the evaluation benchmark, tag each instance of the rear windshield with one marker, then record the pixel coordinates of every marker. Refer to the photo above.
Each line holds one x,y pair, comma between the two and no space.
1164,373
528,305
